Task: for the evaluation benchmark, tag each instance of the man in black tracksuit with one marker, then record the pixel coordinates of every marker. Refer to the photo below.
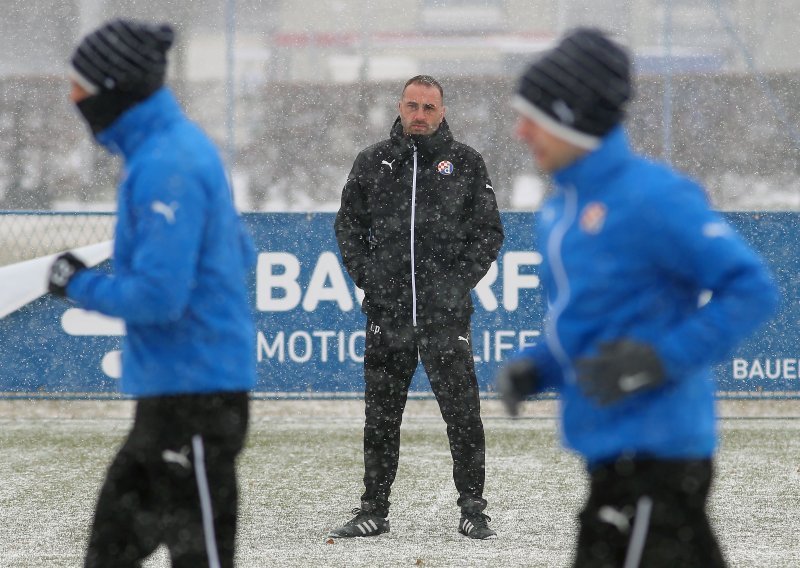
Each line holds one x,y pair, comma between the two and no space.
418,228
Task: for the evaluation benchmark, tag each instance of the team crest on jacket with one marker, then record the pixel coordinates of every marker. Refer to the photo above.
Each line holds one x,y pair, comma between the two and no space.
593,217
445,168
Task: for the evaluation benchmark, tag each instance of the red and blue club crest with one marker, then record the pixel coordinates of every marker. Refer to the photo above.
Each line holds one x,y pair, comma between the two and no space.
445,168
593,217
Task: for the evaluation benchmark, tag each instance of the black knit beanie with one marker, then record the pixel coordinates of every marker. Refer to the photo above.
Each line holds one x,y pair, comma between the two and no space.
578,90
119,64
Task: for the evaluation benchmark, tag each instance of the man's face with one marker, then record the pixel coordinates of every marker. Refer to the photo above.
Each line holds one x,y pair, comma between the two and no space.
77,93
550,152
421,109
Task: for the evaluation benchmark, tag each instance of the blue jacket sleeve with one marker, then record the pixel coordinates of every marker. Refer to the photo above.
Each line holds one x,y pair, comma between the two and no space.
167,217
697,245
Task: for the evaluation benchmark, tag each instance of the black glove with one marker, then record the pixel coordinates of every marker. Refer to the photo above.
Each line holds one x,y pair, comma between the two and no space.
62,271
622,368
515,382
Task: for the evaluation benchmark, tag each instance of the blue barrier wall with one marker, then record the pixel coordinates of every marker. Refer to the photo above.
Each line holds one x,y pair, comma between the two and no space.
310,327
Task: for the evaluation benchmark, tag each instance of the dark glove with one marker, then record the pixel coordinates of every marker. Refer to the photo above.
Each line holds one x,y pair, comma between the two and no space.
515,382
62,271
622,368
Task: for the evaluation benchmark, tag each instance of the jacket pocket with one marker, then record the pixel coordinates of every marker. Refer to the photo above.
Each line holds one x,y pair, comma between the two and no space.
448,292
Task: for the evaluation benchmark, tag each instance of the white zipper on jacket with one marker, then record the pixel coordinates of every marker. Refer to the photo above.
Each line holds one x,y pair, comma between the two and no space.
413,219
554,253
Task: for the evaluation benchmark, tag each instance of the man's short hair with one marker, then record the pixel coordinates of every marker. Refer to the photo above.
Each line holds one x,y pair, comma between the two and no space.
426,80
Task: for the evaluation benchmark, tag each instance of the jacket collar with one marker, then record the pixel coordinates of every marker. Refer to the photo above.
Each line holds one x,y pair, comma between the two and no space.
403,145
135,125
590,171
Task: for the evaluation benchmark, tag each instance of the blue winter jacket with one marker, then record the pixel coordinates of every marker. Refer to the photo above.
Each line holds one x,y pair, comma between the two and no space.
630,247
181,257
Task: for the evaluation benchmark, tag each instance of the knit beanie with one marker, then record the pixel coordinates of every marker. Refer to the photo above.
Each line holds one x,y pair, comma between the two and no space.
119,64
123,55
578,89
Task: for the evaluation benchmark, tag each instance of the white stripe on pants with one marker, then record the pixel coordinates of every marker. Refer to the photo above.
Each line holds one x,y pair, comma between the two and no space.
641,524
205,501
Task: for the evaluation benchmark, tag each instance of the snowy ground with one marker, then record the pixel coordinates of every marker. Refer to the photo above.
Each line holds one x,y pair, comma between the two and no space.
301,475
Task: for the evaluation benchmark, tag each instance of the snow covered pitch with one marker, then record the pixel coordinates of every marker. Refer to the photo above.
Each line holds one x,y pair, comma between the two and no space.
301,475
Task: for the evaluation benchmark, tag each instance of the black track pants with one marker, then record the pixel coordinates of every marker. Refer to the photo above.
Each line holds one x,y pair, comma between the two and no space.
648,514
173,482
390,360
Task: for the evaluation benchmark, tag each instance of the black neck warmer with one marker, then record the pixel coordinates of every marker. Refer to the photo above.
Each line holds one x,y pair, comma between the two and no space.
101,110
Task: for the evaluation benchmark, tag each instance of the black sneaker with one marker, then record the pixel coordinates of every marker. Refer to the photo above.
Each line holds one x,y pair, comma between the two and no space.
476,525
363,524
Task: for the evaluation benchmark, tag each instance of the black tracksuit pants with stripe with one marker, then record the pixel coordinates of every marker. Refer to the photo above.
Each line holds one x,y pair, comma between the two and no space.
173,482
648,513
390,360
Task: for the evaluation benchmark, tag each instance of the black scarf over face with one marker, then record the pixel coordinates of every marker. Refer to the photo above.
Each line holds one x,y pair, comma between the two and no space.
102,109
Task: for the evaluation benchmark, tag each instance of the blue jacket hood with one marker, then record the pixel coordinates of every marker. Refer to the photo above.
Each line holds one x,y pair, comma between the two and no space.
589,171
132,128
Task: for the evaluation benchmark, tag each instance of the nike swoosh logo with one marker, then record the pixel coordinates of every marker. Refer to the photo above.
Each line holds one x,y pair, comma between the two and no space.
630,383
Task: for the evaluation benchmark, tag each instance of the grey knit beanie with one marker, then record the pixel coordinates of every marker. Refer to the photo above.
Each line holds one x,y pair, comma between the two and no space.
578,90
123,55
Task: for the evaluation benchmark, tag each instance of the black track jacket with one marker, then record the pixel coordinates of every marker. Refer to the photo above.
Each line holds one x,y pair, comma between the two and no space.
418,227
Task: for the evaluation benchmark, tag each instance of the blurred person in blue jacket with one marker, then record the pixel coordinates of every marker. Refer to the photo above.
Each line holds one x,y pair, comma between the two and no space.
632,251
179,282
